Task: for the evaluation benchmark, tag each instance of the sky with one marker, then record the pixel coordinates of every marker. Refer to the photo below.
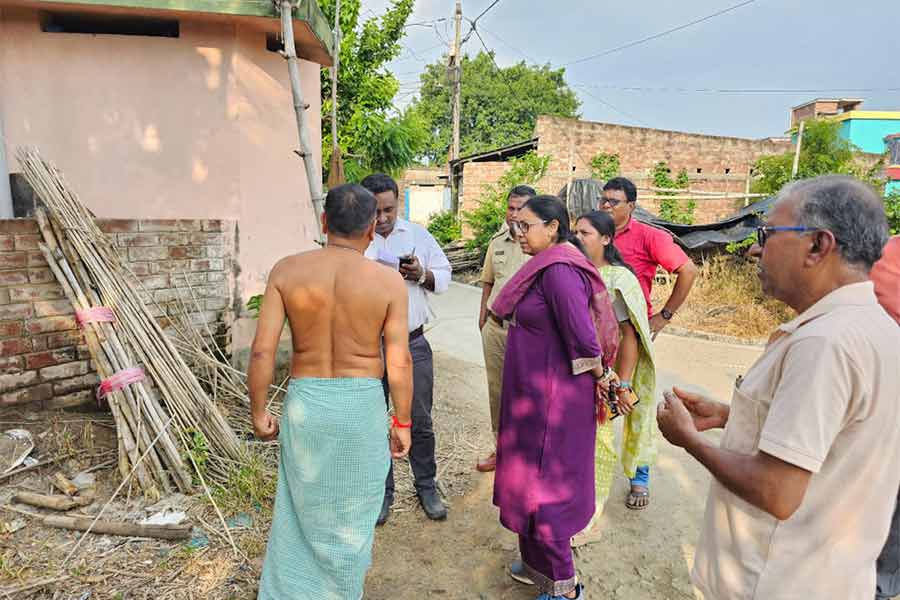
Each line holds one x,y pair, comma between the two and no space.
800,48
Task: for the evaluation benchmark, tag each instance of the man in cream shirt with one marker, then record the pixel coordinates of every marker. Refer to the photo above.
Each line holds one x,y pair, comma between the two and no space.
798,507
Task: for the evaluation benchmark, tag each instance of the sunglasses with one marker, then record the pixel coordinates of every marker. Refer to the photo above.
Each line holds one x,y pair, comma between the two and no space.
763,233
524,226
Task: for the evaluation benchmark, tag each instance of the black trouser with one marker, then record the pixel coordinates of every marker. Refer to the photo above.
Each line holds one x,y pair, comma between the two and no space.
889,561
421,454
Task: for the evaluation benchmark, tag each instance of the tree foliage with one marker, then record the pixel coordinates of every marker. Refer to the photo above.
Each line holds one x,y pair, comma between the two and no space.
445,226
671,209
487,218
605,166
823,151
892,209
373,136
498,107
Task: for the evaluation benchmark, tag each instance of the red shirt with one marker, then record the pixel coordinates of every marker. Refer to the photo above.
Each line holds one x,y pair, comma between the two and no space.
644,247
886,276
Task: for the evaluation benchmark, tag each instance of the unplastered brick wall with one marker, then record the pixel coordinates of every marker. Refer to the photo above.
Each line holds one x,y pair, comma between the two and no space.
713,163
42,353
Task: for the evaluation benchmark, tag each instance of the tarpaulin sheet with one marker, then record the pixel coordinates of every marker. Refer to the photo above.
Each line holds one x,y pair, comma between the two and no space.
736,228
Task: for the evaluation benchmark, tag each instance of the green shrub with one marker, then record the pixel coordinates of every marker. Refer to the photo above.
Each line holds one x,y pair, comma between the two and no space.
605,166
445,226
487,218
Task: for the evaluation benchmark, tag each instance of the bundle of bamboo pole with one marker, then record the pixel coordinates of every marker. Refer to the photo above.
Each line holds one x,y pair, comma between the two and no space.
87,265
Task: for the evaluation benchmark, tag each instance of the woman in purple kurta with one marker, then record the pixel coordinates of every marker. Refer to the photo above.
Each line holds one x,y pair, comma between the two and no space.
544,483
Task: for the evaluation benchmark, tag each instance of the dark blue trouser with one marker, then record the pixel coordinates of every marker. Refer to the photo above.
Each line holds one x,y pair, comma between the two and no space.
889,561
421,454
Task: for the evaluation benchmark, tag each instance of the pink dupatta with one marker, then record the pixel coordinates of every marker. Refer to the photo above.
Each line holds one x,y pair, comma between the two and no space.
605,323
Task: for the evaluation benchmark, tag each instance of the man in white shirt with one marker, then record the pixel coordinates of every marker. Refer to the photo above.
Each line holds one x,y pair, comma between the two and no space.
409,248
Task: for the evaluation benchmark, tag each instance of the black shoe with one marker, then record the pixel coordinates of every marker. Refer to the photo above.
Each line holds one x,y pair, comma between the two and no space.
432,505
385,512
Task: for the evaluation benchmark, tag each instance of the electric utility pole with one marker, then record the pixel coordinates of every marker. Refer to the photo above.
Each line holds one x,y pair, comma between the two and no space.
456,73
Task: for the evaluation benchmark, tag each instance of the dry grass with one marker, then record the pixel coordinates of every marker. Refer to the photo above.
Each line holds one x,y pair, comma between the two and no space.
727,300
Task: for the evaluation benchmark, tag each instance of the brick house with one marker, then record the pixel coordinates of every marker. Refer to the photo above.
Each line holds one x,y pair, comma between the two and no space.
713,163
174,123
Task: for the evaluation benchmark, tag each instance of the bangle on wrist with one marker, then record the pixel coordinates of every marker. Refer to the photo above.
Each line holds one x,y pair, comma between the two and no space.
624,384
396,423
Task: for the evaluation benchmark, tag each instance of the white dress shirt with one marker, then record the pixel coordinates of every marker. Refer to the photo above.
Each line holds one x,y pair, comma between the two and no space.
411,238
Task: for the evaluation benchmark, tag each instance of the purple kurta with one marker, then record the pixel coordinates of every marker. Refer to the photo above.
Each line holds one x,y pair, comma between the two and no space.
544,483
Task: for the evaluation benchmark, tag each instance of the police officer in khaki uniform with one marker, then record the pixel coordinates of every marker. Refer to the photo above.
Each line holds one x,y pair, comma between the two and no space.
504,257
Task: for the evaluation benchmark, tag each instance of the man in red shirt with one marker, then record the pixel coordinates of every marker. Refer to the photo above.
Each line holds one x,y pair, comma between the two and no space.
886,276
644,248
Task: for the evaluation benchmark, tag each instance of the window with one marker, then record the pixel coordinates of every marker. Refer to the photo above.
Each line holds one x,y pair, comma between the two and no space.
699,170
727,171
274,43
109,25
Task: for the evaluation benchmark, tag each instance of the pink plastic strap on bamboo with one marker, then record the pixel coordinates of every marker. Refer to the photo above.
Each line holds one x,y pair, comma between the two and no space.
120,380
97,314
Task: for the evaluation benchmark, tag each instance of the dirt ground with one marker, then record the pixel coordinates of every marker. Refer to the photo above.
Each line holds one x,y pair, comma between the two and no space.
642,555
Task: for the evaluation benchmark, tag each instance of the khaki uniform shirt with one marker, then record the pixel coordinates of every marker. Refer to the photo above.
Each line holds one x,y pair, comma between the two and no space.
824,396
504,257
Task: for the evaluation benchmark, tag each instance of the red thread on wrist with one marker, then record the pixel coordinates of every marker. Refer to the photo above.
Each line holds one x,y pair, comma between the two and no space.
397,423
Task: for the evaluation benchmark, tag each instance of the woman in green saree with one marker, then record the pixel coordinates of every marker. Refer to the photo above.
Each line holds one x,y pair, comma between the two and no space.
634,365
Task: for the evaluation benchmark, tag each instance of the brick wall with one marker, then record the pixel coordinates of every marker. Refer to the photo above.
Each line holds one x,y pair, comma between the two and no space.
477,178
713,163
42,354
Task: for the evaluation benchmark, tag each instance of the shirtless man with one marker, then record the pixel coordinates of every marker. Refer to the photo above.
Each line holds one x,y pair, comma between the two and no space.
334,427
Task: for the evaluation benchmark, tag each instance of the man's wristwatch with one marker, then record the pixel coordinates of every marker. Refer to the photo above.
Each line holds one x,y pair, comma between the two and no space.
666,314
424,277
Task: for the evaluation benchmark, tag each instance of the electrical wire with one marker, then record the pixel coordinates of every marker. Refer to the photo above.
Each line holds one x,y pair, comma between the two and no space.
659,35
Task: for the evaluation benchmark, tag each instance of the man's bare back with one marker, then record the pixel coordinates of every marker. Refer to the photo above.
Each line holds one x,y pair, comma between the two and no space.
337,303
342,309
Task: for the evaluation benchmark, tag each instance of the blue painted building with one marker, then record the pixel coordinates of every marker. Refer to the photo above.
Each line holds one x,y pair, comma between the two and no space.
872,131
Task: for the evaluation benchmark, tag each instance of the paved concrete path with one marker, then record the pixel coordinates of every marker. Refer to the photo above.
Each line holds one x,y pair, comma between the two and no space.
684,361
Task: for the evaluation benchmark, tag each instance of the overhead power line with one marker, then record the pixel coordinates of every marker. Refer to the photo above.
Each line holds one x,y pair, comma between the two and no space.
738,91
607,104
660,34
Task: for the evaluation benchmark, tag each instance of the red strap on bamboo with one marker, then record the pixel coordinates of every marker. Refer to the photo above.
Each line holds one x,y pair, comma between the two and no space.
97,314
119,380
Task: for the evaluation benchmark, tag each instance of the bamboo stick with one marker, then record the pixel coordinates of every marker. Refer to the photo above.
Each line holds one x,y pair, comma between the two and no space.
136,338
57,502
163,532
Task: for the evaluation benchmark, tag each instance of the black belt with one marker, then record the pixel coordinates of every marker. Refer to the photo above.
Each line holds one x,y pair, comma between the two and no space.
497,320
417,333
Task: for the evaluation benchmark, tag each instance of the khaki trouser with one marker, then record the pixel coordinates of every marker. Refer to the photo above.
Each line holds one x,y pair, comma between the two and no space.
493,341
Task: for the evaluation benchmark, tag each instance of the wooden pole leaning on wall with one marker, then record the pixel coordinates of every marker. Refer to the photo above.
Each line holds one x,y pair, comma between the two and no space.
313,173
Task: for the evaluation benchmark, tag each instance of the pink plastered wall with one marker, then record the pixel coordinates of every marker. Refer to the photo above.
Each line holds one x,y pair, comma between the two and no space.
198,127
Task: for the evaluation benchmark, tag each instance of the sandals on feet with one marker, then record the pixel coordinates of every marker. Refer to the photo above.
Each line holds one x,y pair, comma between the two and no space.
638,499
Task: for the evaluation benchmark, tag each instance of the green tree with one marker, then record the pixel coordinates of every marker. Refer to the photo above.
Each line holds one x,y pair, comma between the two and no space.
605,166
892,209
487,218
822,151
373,135
497,106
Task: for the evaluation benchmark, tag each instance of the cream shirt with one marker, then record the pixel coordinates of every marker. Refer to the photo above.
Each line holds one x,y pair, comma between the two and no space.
825,396
503,259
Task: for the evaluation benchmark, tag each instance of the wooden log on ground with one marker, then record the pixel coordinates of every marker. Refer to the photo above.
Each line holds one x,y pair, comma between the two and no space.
62,503
162,532
62,483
